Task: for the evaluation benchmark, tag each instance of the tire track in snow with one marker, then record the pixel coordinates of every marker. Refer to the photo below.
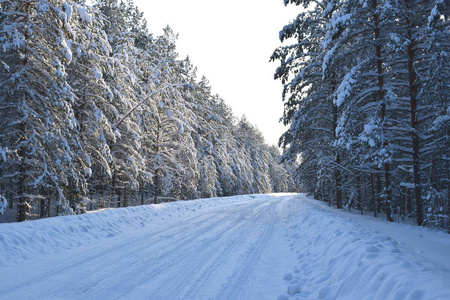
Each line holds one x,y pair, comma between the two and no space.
206,264
126,247
182,267
234,287
117,262
154,263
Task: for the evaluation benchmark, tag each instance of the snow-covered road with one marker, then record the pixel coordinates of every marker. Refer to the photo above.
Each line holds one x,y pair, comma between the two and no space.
246,247
223,252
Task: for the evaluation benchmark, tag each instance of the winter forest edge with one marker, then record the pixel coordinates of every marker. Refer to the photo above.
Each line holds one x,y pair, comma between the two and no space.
366,92
94,115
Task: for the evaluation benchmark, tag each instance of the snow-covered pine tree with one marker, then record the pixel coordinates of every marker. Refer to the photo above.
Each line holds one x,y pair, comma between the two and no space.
93,106
204,134
385,62
437,205
279,176
251,141
223,146
358,33
309,108
422,44
38,127
122,78
3,204
171,156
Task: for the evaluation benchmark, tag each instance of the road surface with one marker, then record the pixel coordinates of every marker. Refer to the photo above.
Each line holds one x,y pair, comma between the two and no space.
227,252
245,247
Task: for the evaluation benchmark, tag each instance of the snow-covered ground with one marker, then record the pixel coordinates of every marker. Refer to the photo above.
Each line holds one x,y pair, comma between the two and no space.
246,247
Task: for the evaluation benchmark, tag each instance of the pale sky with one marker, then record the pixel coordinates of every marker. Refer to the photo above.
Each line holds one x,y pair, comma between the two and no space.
231,42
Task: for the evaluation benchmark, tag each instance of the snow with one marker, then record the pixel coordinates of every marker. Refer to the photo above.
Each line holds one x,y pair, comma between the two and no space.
43,7
84,16
97,74
98,114
433,15
329,9
3,204
88,172
327,59
346,87
2,154
280,246
65,49
17,42
395,38
407,185
368,128
347,256
68,12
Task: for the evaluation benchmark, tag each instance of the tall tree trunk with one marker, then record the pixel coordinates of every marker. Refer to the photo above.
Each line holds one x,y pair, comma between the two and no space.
379,62
372,190
157,177
157,184
112,189
42,207
337,174
447,181
412,80
337,171
22,200
379,191
388,192
358,194
125,198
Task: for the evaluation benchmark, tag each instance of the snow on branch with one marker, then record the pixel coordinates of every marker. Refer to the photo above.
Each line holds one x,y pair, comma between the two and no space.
168,86
3,204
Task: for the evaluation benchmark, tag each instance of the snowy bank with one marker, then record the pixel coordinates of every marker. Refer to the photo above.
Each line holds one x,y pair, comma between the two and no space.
344,256
22,241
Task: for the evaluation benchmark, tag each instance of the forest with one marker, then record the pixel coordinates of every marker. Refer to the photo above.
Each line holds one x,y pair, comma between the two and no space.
95,111
366,95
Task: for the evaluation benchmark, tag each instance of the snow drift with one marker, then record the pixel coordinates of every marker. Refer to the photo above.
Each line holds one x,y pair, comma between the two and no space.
345,257
22,241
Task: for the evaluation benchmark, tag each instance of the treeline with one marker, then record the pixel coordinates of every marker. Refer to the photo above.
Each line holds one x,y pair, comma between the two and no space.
93,104
367,97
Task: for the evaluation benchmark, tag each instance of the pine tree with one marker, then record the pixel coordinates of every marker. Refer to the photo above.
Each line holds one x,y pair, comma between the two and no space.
251,142
278,173
38,126
419,27
223,146
309,108
172,153
204,133
92,106
384,63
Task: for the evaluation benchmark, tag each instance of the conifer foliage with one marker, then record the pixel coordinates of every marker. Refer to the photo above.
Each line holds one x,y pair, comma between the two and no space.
97,112
367,100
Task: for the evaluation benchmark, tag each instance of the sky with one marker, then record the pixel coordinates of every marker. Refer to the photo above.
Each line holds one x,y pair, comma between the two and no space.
231,42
